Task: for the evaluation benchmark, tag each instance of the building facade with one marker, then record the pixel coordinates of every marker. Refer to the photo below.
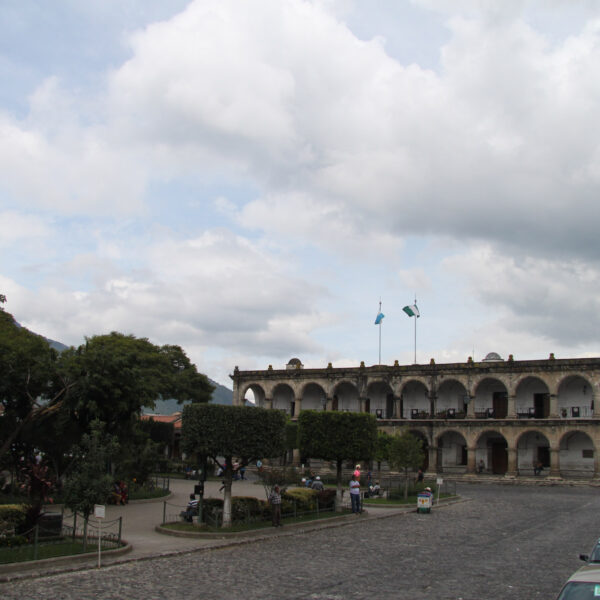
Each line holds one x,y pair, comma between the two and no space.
495,416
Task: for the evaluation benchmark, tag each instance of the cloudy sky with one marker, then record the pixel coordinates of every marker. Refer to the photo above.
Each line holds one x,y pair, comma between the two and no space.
249,179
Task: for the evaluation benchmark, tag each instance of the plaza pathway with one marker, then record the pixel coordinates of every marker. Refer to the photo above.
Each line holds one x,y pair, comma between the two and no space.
515,542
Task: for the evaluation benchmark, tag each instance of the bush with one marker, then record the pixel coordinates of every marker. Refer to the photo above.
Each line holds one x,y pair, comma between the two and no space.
12,518
243,508
12,541
305,499
326,498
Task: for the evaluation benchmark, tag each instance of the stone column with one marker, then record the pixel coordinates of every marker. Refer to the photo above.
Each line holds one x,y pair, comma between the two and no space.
363,404
432,406
296,457
512,462
471,468
471,410
554,466
432,459
512,407
397,408
596,464
329,403
553,406
298,407
596,403
268,402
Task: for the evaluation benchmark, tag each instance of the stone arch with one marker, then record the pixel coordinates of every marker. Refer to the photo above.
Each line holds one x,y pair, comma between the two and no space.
381,399
490,399
452,399
346,397
284,399
575,397
258,394
451,452
576,455
533,447
492,448
415,400
313,397
532,397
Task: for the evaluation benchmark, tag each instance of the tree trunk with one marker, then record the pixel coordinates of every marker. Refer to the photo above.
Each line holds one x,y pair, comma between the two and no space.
406,484
338,503
227,496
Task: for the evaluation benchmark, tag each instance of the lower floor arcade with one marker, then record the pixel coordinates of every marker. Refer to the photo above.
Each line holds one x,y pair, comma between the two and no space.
509,451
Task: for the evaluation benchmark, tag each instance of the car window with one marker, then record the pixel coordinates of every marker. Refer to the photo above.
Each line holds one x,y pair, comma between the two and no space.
595,557
580,590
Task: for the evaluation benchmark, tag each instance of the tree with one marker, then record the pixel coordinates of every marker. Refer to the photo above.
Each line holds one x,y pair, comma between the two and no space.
337,436
115,375
89,481
406,452
382,449
241,432
29,387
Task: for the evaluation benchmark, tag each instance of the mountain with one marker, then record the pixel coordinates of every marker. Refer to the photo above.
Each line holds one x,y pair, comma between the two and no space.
221,395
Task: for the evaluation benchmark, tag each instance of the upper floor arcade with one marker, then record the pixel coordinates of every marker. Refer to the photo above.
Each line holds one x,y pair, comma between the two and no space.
490,389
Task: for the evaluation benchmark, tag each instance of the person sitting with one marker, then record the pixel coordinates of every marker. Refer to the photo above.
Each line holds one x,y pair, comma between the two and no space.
317,484
481,466
374,490
191,510
538,468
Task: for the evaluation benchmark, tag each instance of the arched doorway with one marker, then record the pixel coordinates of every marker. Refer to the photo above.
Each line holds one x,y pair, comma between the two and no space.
491,399
451,453
533,447
492,448
284,399
347,397
313,397
576,455
575,398
533,397
415,401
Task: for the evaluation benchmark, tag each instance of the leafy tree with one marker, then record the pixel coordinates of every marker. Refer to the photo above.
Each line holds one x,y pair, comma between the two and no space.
337,436
241,432
89,481
406,452
382,449
115,375
29,387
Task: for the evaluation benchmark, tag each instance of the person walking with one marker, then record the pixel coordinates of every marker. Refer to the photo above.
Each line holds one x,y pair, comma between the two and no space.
275,502
355,494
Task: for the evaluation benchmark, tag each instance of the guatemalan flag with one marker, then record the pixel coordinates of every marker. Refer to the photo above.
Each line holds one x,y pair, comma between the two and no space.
379,318
412,310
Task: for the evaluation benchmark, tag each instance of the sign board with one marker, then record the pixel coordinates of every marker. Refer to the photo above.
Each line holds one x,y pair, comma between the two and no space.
99,511
439,481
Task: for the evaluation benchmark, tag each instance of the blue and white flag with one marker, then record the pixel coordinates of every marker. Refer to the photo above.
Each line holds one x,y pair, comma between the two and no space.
379,318
412,310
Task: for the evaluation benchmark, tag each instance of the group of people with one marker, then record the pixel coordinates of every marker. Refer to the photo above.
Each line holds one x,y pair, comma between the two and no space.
313,483
120,493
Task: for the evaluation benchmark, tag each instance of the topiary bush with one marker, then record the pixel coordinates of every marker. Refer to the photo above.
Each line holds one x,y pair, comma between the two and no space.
12,518
305,499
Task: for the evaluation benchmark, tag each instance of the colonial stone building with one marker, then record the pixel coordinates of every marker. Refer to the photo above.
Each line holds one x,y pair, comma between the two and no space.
494,416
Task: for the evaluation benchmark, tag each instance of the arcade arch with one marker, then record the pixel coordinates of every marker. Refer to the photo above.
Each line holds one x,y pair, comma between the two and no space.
452,452
532,398
415,400
575,398
345,397
254,393
283,399
492,448
491,399
533,447
576,455
380,399
452,399
314,397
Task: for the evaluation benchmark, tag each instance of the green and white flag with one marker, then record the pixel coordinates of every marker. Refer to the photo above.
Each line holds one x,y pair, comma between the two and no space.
412,310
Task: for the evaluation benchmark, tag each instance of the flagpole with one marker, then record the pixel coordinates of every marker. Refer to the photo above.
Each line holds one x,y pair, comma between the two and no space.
415,318
380,332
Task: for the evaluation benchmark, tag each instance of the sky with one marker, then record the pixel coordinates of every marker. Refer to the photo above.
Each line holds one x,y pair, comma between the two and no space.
250,180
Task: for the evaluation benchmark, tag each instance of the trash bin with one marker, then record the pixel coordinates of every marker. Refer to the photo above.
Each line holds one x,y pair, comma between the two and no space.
424,502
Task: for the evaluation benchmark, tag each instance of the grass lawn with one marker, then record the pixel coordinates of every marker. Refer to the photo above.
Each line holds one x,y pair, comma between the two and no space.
145,494
264,524
45,550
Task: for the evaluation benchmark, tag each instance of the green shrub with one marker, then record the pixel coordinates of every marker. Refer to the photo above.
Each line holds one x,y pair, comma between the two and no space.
305,498
12,517
12,541
326,498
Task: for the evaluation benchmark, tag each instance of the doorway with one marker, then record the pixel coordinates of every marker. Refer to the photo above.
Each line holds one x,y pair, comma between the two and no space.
499,458
500,404
541,405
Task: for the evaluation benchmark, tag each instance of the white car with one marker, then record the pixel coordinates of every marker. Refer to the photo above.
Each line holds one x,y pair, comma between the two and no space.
584,584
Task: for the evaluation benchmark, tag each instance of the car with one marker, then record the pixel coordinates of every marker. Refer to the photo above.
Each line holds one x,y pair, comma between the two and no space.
594,556
584,584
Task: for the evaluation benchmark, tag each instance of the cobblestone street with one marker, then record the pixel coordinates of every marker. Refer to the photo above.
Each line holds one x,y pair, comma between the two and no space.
515,542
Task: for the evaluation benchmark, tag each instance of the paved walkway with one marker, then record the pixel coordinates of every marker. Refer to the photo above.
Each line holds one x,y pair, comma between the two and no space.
139,530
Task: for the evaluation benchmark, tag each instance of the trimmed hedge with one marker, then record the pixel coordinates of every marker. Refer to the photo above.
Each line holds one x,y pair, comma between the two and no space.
12,516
